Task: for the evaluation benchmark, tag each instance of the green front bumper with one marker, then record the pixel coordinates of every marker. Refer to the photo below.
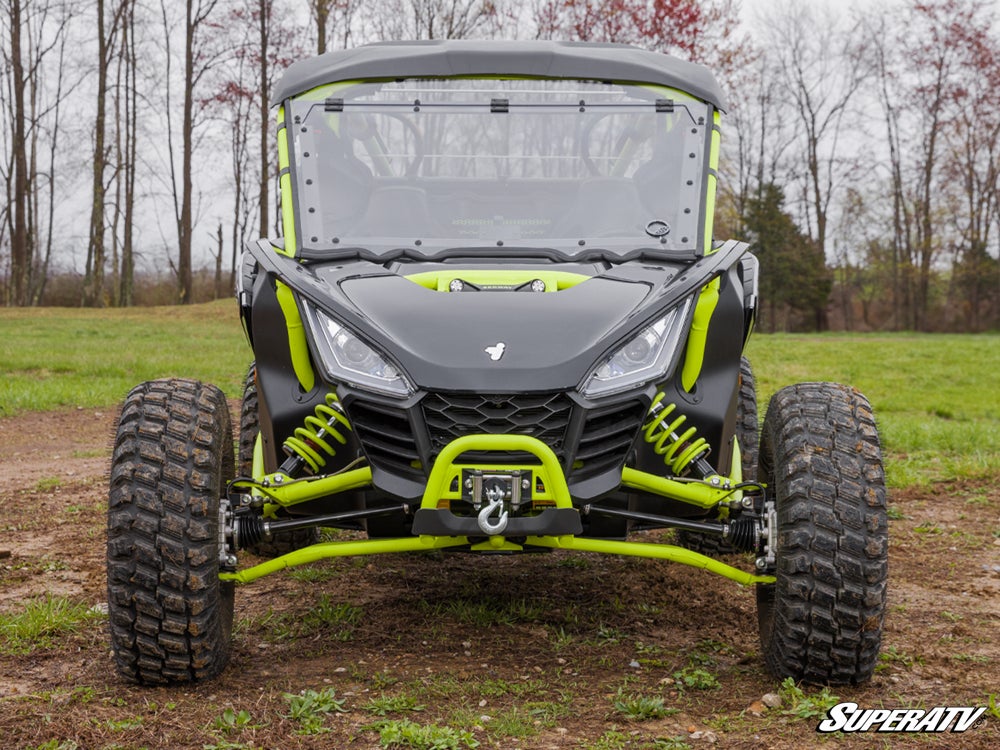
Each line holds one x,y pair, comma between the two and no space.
444,486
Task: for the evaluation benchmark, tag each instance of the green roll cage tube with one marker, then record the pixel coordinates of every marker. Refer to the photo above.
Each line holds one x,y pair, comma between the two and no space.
280,491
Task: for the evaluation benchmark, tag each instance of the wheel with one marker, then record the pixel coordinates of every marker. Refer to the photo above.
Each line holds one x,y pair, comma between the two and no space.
821,621
281,542
747,433
171,617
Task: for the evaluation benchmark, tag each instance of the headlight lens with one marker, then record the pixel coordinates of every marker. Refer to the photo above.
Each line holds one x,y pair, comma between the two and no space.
647,356
347,358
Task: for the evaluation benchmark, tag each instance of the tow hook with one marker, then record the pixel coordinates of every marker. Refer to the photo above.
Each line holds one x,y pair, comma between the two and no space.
496,502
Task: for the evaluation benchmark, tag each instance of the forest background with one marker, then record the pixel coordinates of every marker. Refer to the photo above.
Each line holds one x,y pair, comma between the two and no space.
861,149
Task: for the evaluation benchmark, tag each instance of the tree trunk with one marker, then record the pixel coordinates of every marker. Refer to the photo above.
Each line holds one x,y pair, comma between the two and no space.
20,240
126,293
93,280
184,225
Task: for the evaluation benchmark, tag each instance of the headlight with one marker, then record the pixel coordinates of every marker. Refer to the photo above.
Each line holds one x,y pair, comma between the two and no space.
648,356
346,358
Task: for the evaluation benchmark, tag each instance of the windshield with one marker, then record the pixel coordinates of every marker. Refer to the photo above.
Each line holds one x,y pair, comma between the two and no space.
472,163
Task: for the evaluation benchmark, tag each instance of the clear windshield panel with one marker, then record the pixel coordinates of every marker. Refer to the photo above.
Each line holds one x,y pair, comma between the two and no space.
462,163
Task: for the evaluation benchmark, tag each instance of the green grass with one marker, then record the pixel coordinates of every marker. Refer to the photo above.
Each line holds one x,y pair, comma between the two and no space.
52,358
310,709
384,705
42,623
409,734
934,394
802,705
641,707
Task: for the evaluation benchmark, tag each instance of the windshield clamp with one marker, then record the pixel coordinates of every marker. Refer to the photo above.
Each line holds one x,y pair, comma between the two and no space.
664,105
499,105
334,104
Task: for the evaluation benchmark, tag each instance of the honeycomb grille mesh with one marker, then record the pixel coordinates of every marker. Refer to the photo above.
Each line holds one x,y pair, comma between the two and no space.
543,416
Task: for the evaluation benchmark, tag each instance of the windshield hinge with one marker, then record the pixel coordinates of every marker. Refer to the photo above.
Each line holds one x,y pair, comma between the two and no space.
334,104
499,105
664,105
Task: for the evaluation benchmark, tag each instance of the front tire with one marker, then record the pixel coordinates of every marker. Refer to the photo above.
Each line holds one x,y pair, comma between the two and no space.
821,621
171,617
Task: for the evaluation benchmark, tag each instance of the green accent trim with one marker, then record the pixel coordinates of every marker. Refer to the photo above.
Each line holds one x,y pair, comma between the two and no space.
555,281
444,471
257,469
656,551
694,357
737,472
284,491
327,550
343,549
285,184
257,473
298,347
694,493
712,181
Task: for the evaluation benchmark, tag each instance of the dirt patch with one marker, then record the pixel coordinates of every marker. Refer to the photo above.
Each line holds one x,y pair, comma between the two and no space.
522,652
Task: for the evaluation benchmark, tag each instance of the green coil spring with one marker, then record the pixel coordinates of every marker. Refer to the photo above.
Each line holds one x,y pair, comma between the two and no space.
310,441
678,449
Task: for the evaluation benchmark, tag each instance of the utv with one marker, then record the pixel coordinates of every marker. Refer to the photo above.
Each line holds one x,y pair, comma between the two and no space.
497,322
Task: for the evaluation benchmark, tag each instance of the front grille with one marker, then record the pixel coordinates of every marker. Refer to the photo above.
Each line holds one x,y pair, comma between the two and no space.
386,436
607,436
543,416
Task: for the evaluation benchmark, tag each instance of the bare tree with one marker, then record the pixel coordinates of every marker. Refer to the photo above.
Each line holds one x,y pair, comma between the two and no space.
199,58
36,31
432,19
933,60
107,32
333,18
128,153
822,69
21,241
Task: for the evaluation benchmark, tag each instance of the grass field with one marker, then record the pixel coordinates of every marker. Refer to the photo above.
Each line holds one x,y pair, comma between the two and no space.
936,397
54,358
460,651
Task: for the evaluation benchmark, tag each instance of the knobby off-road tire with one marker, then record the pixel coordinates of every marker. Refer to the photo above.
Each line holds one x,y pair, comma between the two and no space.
748,434
821,621
171,617
281,542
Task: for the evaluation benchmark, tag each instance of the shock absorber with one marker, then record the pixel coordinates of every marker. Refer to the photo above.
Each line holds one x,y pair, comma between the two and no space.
308,448
680,450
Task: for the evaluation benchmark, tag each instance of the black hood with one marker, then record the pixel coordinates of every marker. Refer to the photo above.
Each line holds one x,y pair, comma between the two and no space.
551,340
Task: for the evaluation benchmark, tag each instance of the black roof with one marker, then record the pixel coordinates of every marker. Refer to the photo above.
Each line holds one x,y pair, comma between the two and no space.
541,59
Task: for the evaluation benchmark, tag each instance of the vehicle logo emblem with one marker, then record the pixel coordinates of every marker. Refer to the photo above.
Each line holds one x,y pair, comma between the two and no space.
497,351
